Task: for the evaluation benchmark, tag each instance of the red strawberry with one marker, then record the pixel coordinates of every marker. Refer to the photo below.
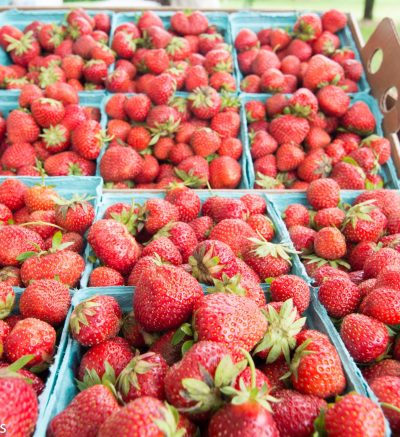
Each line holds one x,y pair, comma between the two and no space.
291,287
202,227
137,107
175,298
289,128
225,172
47,112
75,215
333,20
383,305
366,416
159,213
21,127
245,40
63,92
386,389
308,27
120,163
33,337
330,243
193,23
186,200
69,164
350,296
88,138
322,71
47,300
385,367
296,214
105,277
359,119
204,102
165,249
86,413
323,193
10,276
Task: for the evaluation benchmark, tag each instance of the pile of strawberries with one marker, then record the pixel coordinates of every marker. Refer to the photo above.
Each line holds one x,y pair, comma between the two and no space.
229,245
50,134
74,52
190,54
278,60
160,138
41,234
27,348
298,139
181,364
353,254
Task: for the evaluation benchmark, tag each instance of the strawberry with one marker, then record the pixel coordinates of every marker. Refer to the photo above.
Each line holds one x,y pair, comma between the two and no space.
329,217
386,389
68,266
348,176
262,144
86,413
47,112
295,413
202,227
88,139
326,44
204,102
175,298
226,124
32,337
7,298
296,214
268,259
186,200
357,411
289,128
28,94
250,84
382,304
10,276
159,213
389,277
143,376
75,215
193,23
120,163
387,367
12,192
137,107
245,40
364,337
20,404
63,92
262,225
69,164
330,243
291,287
40,198
162,89
322,71
24,49
272,81
205,141
323,193
105,277
15,241
308,27
333,20
165,249
44,230
18,155
350,296
359,119
225,172
21,127
47,300
320,372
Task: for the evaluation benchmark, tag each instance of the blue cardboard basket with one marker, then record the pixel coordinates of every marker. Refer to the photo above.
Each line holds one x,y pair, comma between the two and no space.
281,234
218,19
257,21
53,370
242,136
9,101
388,170
65,389
21,19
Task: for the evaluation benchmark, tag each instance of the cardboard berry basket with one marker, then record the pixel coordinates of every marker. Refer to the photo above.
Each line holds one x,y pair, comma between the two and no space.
44,397
22,18
257,21
9,102
244,183
216,18
388,170
65,389
140,197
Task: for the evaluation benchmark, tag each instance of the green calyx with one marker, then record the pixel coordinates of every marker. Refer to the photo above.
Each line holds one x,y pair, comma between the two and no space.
11,371
6,305
299,354
79,315
298,110
91,378
73,203
190,179
267,182
280,337
229,100
263,248
249,393
139,365
360,211
168,425
54,135
205,265
166,129
305,31
228,285
202,97
336,263
186,336
20,46
48,76
207,393
175,45
130,218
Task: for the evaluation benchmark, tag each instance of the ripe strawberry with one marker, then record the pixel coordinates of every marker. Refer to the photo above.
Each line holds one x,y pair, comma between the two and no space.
389,277
289,128
225,172
88,139
387,367
175,298
291,287
193,23
47,300
21,127
289,156
12,193
386,389
364,337
330,243
137,107
86,413
17,155
366,416
65,264
323,193
296,214
69,164
165,249
262,225
359,119
245,40
350,296
32,337
326,44
319,373
120,163
40,198
322,71
316,138
226,124
74,215
10,276
295,413
333,20
308,27
204,102
143,376
202,227
105,277
186,200
382,304
47,112
205,141
262,144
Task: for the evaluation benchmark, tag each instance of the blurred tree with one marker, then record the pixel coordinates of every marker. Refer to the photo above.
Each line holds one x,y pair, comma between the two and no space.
368,9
